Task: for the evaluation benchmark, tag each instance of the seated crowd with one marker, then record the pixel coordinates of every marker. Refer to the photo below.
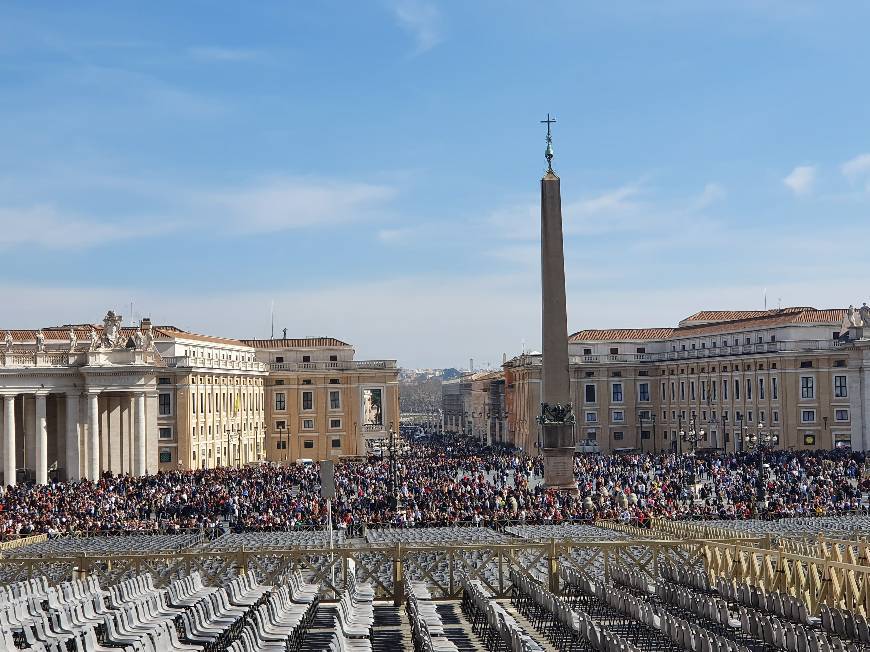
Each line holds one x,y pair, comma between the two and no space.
443,481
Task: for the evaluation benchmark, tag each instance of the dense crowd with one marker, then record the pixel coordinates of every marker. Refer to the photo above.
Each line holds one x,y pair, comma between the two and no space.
443,481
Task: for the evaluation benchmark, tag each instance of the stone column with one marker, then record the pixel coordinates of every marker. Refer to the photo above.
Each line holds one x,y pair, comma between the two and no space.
41,462
556,417
93,466
139,451
73,465
9,440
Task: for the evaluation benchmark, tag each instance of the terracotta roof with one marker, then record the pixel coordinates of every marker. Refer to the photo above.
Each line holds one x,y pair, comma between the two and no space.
295,342
167,332
621,334
770,319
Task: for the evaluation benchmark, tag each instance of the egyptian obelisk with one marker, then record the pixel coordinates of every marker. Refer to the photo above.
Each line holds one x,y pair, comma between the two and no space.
557,417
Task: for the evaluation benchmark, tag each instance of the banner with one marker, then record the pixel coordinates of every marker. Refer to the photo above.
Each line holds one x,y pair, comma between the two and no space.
372,407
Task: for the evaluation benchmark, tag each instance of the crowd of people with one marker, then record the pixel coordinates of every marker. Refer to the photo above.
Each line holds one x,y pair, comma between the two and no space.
444,480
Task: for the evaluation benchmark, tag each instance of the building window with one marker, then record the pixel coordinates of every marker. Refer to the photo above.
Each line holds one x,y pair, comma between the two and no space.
587,351
841,415
673,394
774,388
334,381
614,350
618,435
776,416
736,389
692,389
590,393
682,390
617,392
644,415
307,381
808,416
761,389
807,389
591,417
336,443
281,444
840,390
279,381
279,358
308,443
168,381
724,390
164,404
748,389
165,433
806,364
308,424
617,416
333,358
335,424
643,392
839,363
202,402
307,400
280,425
280,401
334,400
641,349
165,455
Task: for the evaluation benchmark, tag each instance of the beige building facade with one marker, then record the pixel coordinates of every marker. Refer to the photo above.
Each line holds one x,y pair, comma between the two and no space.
719,377
80,400
321,403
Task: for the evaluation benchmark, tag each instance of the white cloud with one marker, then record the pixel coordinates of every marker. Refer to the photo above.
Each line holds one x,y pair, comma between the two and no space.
422,20
265,206
857,170
293,202
223,54
46,226
801,179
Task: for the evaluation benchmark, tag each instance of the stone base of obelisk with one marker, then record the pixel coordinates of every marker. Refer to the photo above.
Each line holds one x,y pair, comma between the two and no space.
559,457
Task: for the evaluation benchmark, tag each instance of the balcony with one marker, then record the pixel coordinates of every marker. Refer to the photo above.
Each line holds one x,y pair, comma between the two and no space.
192,361
340,365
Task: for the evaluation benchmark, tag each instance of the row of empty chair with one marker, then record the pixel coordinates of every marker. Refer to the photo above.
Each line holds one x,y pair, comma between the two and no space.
493,625
757,618
647,625
136,616
435,535
275,540
427,628
354,618
117,545
566,628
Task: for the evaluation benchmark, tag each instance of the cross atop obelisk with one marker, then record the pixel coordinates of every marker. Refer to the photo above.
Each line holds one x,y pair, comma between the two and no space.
549,151
557,415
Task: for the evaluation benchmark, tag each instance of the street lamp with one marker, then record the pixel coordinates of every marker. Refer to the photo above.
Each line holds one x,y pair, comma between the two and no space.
394,468
693,436
760,441
281,429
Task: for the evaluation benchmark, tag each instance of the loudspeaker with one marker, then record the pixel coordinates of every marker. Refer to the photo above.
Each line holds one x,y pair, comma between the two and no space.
327,479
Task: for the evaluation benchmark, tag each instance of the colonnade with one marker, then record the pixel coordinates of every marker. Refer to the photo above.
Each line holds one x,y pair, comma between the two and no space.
87,451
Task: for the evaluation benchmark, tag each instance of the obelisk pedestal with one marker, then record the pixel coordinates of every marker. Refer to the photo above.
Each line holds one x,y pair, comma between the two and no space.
557,417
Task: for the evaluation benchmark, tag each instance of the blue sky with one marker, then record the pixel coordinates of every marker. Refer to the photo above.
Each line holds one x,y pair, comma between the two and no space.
372,167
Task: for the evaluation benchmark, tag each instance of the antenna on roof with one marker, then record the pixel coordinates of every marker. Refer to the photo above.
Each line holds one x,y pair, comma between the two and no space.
765,298
272,318
132,319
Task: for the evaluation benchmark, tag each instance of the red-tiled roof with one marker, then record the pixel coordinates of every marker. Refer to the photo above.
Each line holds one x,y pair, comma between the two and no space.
621,334
768,320
168,332
296,342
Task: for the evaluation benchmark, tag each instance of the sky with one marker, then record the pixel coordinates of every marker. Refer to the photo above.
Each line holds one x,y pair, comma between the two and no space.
372,168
